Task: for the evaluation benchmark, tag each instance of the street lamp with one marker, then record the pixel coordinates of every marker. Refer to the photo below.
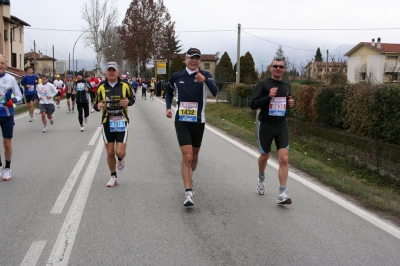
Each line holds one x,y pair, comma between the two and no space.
73,50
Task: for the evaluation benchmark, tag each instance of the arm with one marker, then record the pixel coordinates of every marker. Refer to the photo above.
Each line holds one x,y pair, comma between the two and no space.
210,82
17,93
53,90
169,93
259,97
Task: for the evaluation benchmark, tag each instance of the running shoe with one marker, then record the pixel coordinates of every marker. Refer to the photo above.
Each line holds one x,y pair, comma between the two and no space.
92,111
7,174
85,120
31,119
113,181
121,164
69,111
58,106
82,129
51,122
261,187
44,130
188,199
283,198
37,111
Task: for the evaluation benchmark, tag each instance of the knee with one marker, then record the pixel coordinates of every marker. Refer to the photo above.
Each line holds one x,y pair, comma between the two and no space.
188,158
120,154
110,152
7,144
264,157
284,160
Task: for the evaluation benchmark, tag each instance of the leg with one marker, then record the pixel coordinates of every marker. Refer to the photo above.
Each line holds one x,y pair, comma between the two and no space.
283,156
80,113
187,159
86,109
44,120
120,150
111,160
69,103
7,148
262,162
195,158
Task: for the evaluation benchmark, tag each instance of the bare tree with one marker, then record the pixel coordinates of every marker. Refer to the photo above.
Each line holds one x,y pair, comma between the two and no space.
337,75
392,68
101,17
111,50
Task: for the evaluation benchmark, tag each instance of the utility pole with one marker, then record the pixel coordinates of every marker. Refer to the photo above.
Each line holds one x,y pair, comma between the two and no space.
326,70
53,64
238,57
262,70
34,56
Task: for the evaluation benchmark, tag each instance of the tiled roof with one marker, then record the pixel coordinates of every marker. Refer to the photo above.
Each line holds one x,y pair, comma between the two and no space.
29,56
204,57
385,48
330,64
16,71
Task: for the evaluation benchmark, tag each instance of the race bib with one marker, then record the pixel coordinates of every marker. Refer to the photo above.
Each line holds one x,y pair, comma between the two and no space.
30,87
117,124
277,106
188,111
43,92
80,86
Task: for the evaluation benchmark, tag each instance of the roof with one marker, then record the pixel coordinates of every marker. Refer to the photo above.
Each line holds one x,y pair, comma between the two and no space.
20,21
15,20
16,71
385,48
39,56
204,57
330,64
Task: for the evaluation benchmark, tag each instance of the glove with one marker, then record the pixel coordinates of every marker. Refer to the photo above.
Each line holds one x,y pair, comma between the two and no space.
10,103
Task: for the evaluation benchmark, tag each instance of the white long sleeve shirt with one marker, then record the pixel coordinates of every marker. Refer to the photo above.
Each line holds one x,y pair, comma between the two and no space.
44,90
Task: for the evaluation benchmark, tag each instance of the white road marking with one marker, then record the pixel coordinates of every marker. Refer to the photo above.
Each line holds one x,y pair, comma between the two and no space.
69,185
93,140
34,253
65,241
345,204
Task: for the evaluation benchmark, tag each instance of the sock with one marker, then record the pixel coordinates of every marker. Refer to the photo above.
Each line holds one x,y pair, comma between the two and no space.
120,159
281,189
261,177
0,162
189,190
114,174
7,164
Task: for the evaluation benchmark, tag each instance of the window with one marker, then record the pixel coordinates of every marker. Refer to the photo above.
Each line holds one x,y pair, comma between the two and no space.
320,69
395,76
392,57
206,65
5,35
363,75
20,35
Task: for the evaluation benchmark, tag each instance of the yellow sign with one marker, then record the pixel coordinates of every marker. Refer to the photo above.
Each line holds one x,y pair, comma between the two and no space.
161,67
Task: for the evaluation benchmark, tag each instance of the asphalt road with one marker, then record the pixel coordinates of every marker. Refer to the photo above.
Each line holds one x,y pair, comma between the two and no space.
57,209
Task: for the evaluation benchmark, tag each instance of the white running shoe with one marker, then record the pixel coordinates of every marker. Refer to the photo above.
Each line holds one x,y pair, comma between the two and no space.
92,111
31,119
261,187
82,129
37,111
7,174
283,198
188,199
121,164
113,181
69,111
44,130
51,122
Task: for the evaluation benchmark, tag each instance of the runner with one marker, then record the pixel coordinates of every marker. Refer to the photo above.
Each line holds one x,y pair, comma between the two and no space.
8,86
46,92
94,82
152,86
59,84
29,82
69,88
144,89
190,85
113,97
272,96
81,92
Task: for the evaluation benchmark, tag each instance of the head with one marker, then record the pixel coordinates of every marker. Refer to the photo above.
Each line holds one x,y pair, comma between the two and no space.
44,79
112,71
30,70
3,64
69,77
193,59
58,77
92,75
277,69
79,76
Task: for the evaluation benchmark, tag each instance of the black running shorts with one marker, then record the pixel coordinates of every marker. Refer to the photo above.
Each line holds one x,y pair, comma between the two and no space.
189,133
267,132
110,137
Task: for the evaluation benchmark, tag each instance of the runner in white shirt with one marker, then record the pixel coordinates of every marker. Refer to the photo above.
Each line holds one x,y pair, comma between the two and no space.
59,84
46,91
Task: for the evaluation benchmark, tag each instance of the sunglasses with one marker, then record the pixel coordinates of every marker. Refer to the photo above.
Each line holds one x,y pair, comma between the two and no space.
280,66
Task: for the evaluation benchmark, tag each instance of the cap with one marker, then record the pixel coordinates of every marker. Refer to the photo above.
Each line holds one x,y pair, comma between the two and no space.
69,76
112,65
57,76
193,52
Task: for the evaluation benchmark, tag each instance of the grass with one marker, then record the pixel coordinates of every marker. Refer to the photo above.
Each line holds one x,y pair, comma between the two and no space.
363,187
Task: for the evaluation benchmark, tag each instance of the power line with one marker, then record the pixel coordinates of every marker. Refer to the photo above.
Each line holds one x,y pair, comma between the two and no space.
338,29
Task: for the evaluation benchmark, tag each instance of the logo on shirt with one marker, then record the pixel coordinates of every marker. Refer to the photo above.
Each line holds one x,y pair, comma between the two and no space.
181,81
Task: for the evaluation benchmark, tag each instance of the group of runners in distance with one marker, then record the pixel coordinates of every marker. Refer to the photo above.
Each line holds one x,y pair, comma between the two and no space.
113,95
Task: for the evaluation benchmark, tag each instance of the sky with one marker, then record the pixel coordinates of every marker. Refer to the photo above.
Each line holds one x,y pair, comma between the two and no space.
300,27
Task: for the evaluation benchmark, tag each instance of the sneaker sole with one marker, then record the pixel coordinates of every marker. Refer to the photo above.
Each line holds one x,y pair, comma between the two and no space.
188,204
116,183
286,202
6,179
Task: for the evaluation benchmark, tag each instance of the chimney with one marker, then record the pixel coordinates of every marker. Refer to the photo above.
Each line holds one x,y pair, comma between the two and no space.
378,43
373,43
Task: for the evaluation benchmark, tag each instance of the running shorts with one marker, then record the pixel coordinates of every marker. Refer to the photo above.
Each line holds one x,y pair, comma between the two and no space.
189,133
30,98
110,137
269,131
47,108
70,95
7,126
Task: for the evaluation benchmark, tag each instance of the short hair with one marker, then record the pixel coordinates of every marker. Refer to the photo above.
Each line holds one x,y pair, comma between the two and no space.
277,59
44,76
30,67
5,58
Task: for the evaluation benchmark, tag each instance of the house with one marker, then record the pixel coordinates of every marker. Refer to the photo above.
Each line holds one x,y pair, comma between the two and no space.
322,71
208,62
44,63
11,36
376,62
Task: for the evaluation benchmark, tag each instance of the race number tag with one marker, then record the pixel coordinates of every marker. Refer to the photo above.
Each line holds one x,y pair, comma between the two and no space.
188,111
117,124
30,87
277,106
80,87
43,92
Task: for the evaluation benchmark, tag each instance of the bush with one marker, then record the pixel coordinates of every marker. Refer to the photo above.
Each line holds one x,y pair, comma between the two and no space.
238,93
328,105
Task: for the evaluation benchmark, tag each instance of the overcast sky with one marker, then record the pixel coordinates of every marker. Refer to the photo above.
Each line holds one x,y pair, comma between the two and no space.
211,26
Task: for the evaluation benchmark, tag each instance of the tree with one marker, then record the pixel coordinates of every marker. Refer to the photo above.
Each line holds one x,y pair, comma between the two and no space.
100,18
280,54
111,50
248,72
177,64
318,56
224,70
146,31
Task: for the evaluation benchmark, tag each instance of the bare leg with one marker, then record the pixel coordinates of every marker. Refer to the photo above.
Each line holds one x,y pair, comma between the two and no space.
283,155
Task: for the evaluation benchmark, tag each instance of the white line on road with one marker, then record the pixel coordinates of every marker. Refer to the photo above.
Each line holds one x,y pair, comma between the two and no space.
345,204
65,241
93,140
34,252
66,191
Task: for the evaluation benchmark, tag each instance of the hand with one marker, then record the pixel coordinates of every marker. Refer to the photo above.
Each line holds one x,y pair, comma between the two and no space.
272,92
48,97
199,77
86,89
169,113
124,102
291,102
100,105
73,92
